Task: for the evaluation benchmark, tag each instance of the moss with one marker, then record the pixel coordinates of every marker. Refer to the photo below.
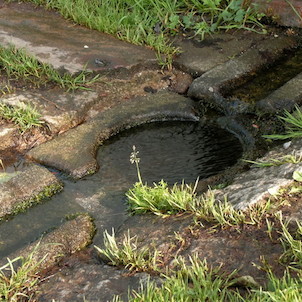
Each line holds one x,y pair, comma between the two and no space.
47,192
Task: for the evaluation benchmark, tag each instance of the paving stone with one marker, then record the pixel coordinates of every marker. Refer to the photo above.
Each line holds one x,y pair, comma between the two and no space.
60,43
198,57
27,188
78,146
211,85
60,110
284,98
70,237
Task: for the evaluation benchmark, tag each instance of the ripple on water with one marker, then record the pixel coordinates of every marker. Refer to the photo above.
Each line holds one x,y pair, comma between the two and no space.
169,151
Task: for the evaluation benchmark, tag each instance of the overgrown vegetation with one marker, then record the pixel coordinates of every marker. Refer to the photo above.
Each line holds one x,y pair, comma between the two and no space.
25,116
194,280
19,65
292,123
147,22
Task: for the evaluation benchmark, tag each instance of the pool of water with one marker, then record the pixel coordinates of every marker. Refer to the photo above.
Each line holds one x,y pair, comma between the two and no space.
171,151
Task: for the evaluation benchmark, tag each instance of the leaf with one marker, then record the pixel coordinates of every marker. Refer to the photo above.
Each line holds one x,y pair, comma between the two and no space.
297,176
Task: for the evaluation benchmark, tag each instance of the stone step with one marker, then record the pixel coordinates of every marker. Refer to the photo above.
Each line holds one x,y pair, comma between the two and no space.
65,45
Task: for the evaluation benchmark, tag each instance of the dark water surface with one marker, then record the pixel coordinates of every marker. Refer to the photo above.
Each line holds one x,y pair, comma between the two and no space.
169,151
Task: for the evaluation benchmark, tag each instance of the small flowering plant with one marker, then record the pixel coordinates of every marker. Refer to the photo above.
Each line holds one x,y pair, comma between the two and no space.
134,159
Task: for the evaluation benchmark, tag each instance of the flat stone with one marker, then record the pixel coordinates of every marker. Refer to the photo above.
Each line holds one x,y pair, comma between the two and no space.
80,279
60,110
70,237
240,251
7,137
79,145
284,98
27,188
212,84
251,187
58,42
285,13
198,57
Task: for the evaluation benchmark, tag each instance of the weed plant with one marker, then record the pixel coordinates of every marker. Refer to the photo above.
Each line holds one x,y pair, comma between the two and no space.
160,199
128,253
278,161
18,284
147,22
293,125
25,116
19,65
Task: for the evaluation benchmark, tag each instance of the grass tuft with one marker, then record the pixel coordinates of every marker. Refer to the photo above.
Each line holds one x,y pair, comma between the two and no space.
25,116
293,125
19,284
19,65
146,22
294,158
128,253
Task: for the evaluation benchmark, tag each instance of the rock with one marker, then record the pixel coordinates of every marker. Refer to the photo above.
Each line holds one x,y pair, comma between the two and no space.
70,237
7,136
181,82
87,280
29,187
86,138
251,187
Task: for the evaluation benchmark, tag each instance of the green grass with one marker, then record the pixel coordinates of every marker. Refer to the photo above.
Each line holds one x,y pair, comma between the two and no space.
194,280
278,161
128,253
25,116
19,284
147,22
292,123
19,65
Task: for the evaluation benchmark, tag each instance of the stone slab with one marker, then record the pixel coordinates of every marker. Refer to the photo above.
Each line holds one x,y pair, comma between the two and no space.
78,146
212,84
198,57
251,187
286,97
70,237
27,188
59,110
60,43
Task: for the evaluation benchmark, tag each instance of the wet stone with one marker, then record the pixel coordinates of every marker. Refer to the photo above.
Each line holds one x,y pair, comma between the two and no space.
78,146
90,281
70,237
61,43
27,188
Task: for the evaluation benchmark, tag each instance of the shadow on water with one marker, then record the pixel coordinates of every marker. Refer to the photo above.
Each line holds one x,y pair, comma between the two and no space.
172,151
